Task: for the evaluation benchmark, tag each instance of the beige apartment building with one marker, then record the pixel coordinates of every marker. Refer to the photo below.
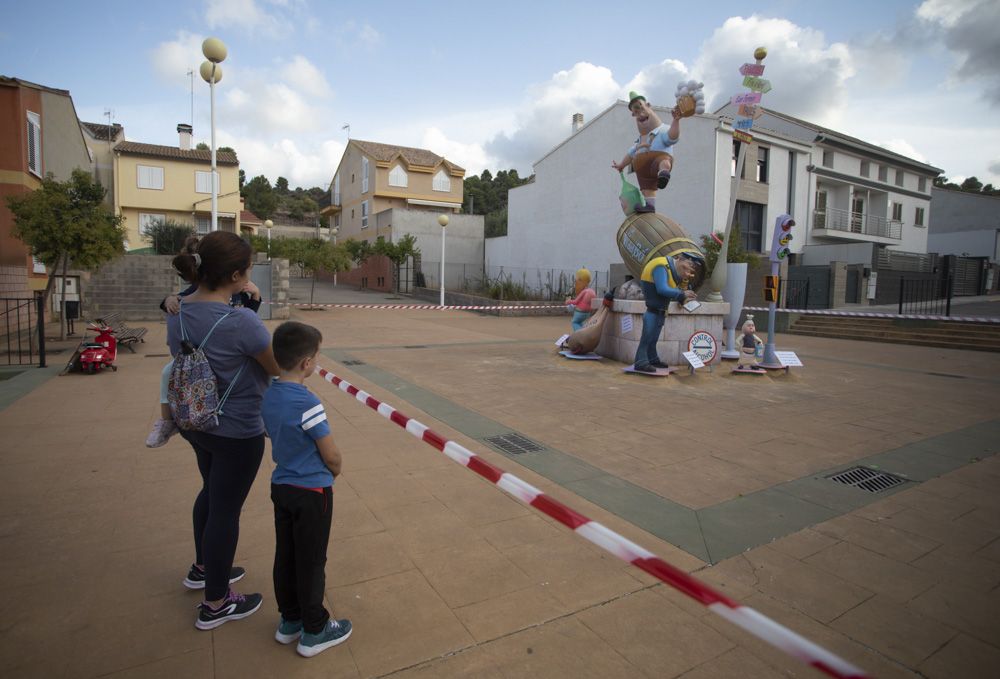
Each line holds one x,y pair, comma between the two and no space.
374,177
155,183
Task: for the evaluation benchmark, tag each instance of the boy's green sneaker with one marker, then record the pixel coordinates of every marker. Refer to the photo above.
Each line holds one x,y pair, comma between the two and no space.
336,632
288,631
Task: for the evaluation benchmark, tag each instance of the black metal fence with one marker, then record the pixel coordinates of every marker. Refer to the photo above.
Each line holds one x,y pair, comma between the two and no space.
796,292
22,331
922,296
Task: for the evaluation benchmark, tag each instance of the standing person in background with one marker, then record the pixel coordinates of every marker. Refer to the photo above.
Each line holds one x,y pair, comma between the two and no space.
229,456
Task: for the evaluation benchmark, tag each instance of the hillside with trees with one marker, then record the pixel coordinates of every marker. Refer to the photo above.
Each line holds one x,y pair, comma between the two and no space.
487,195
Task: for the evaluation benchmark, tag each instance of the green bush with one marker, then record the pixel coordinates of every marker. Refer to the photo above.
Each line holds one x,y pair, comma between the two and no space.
495,223
168,236
737,253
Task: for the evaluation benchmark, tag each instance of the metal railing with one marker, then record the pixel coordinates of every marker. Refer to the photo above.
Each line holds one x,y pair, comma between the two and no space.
22,331
857,222
795,292
925,296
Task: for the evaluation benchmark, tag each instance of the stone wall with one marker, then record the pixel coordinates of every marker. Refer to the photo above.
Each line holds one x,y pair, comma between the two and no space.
133,285
620,344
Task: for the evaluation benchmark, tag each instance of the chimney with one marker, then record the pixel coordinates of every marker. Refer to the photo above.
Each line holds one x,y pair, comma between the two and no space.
185,132
577,122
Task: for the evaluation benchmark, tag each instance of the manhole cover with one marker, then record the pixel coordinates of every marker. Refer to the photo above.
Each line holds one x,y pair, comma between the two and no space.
515,444
870,480
414,346
353,362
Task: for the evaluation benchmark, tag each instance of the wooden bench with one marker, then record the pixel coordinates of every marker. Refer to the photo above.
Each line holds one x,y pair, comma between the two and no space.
125,335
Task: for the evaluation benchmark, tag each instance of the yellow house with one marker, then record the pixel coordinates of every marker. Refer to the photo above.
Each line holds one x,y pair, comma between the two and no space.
373,177
155,183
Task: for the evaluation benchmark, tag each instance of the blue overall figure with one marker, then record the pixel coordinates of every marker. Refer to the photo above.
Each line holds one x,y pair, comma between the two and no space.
664,280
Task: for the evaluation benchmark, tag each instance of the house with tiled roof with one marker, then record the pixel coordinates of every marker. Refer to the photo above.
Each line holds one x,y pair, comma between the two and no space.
373,177
156,183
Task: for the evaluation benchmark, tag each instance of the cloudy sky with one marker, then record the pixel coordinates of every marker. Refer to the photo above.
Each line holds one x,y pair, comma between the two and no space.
494,85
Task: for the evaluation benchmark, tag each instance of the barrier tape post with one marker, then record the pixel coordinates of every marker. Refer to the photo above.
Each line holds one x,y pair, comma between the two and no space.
744,617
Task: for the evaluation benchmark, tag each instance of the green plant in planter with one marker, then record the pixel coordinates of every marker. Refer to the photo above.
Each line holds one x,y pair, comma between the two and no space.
737,253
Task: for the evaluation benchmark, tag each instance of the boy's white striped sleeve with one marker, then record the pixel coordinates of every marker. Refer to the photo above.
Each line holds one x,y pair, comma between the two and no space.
313,416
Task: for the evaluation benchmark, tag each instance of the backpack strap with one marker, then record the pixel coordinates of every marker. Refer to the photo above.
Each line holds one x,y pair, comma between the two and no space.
229,389
204,341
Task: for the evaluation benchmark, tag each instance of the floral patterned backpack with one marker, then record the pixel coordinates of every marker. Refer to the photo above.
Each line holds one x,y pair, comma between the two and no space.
193,392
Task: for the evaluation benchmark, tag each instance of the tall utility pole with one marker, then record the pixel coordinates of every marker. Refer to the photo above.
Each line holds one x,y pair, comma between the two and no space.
190,75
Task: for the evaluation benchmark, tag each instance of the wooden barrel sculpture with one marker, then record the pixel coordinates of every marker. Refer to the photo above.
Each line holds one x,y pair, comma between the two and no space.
645,236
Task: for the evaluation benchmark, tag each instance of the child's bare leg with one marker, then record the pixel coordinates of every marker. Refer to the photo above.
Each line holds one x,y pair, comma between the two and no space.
165,411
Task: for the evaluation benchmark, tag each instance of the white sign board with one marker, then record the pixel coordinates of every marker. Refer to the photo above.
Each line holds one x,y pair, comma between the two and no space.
872,284
693,359
788,359
559,342
626,323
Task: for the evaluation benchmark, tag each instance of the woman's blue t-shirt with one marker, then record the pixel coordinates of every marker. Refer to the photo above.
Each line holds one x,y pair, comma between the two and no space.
233,344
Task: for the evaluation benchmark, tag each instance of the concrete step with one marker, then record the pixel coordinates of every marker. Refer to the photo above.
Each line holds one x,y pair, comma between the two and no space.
888,331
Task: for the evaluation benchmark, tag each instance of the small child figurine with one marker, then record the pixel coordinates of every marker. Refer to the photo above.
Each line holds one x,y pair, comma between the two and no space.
750,348
583,304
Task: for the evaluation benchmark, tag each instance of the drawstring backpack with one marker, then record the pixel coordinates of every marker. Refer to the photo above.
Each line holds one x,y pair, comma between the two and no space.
193,392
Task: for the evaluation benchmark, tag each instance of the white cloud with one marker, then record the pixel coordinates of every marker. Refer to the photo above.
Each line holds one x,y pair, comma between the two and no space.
306,77
902,147
969,29
658,82
302,163
353,34
246,15
172,59
544,119
473,157
809,75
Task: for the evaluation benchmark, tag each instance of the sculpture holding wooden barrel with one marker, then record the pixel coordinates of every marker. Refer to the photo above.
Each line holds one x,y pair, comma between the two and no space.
647,235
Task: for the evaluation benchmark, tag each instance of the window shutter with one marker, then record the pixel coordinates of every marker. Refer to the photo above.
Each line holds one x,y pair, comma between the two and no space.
34,133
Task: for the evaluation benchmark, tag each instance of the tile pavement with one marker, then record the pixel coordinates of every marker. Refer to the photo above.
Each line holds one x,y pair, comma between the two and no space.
444,575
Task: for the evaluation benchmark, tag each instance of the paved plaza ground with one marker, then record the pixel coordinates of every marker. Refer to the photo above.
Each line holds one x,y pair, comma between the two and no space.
444,575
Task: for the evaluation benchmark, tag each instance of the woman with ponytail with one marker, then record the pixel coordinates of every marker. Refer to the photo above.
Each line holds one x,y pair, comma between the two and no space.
229,455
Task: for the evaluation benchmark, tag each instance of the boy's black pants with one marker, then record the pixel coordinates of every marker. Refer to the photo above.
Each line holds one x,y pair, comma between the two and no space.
302,531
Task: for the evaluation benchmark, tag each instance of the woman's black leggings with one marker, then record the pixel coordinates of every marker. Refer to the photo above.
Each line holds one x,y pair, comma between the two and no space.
228,468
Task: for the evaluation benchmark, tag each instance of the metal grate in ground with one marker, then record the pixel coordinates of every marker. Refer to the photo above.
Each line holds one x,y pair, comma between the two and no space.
865,478
515,444
353,362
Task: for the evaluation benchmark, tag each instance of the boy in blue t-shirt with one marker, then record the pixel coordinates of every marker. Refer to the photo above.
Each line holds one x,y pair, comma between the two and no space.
307,460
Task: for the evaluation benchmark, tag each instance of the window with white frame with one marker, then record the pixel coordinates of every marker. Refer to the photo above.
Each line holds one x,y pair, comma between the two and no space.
203,182
899,177
148,220
922,185
763,155
883,173
203,224
364,214
150,177
442,182
398,177
897,212
364,175
866,168
735,159
918,217
34,144
827,158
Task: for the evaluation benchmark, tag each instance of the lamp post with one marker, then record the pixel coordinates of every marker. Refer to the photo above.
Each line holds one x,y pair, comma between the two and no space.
333,232
215,51
443,221
267,225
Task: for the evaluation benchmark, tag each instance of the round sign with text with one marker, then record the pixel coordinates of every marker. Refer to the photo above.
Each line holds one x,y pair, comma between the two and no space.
703,344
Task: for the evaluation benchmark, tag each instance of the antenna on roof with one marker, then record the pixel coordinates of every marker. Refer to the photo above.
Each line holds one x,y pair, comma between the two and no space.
190,74
109,114
347,126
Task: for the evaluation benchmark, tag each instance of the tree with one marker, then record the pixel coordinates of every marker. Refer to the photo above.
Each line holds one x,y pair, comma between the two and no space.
168,236
972,185
202,146
68,221
737,253
260,197
397,253
281,186
358,250
243,179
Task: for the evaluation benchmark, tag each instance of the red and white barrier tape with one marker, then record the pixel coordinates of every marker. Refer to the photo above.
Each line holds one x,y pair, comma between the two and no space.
881,314
742,616
420,307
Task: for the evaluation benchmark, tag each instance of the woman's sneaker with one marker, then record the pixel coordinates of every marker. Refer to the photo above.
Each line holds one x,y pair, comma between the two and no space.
162,431
335,632
233,607
196,576
288,631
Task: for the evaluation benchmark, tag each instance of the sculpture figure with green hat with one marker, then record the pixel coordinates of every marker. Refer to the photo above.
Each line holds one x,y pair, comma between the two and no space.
650,156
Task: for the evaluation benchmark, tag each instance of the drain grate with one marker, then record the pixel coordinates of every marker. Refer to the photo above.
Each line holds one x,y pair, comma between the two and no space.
867,479
157,355
353,362
414,346
515,444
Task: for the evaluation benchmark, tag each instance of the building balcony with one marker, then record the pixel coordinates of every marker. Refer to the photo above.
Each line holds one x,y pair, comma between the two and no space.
857,226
